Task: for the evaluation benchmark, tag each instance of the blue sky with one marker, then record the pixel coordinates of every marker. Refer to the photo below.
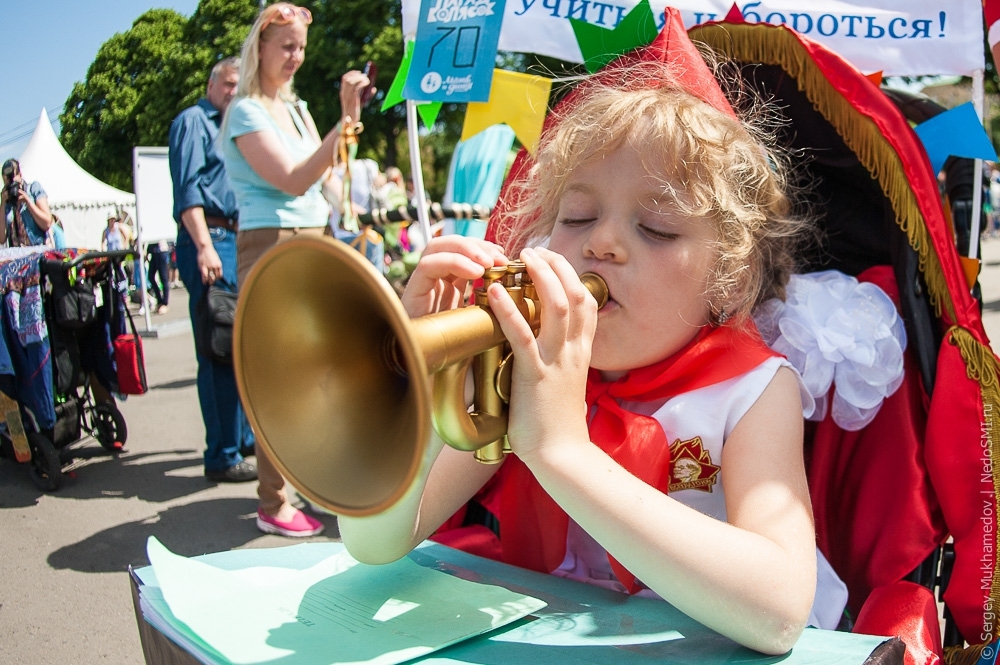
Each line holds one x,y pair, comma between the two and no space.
49,49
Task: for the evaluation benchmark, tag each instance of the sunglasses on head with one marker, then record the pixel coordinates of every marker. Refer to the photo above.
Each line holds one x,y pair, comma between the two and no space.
284,14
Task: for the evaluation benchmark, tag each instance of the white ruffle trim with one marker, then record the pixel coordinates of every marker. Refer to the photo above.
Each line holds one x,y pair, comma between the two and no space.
836,330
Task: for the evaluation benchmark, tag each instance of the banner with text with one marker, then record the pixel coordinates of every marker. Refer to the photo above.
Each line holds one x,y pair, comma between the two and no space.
897,37
455,52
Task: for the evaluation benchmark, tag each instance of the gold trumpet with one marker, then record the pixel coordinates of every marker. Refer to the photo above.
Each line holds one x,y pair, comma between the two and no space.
336,378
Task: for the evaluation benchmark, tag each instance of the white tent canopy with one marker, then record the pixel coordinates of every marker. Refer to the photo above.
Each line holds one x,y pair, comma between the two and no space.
81,201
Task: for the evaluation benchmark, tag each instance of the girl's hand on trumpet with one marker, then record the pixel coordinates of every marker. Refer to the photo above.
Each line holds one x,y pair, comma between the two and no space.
550,372
447,265
447,478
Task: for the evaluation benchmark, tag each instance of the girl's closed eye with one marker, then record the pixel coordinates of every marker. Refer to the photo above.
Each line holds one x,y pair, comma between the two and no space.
657,233
575,221
658,224
659,221
577,205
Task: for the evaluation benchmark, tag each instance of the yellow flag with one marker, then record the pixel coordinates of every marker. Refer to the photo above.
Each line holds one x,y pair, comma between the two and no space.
519,100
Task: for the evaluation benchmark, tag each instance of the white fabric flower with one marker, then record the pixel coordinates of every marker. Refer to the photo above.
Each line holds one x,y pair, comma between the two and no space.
836,330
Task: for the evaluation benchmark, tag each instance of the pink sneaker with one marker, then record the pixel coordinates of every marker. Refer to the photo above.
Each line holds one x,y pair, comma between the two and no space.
300,526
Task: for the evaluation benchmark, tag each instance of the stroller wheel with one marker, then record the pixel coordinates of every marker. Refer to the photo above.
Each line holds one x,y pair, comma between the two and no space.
109,427
46,469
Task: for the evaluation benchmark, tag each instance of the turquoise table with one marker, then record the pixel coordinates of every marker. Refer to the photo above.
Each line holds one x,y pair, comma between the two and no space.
593,625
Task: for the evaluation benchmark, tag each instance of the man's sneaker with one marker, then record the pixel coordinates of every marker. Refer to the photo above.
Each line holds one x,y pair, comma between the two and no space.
300,526
238,473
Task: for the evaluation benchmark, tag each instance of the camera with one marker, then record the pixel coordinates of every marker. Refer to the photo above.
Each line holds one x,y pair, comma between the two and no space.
12,188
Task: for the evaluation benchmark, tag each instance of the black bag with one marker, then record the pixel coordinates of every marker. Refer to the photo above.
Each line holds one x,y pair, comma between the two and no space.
213,322
75,303
67,367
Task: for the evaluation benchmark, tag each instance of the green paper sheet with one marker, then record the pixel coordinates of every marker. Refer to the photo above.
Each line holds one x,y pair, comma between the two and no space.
335,611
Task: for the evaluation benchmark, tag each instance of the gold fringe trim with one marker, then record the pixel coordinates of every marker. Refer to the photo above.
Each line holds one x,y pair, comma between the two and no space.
981,366
760,44
963,655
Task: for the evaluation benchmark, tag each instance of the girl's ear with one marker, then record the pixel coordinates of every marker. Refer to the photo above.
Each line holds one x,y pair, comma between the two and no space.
717,313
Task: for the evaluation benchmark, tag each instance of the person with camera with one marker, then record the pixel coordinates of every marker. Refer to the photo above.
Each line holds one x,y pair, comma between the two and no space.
206,212
26,209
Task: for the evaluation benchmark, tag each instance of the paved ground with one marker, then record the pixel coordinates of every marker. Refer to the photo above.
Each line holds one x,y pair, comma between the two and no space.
64,595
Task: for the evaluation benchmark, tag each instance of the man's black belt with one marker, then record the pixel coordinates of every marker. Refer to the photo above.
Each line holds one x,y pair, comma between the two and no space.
222,223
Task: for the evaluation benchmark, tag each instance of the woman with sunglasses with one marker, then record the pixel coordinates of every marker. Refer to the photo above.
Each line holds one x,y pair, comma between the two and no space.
279,167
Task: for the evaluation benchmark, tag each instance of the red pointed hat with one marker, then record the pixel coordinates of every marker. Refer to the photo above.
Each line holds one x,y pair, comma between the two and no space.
674,46
689,71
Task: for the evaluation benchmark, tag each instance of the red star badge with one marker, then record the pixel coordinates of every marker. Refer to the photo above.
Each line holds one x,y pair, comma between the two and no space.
691,466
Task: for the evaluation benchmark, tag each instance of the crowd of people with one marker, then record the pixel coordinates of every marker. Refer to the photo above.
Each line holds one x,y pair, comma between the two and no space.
372,188
160,264
991,203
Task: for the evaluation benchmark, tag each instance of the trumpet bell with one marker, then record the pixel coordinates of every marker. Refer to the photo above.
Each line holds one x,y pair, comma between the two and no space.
345,428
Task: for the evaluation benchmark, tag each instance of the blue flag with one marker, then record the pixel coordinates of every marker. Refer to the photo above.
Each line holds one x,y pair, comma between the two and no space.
956,132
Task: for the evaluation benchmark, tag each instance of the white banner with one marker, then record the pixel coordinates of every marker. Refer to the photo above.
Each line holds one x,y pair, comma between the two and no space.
896,37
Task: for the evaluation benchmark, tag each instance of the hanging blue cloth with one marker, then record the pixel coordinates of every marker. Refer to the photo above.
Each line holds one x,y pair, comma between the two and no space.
25,360
477,171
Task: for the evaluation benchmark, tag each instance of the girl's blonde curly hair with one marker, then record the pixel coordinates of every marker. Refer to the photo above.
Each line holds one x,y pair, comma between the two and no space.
711,166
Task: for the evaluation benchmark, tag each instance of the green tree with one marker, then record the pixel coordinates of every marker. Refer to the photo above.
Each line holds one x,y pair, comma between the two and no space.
215,31
100,119
345,35
143,77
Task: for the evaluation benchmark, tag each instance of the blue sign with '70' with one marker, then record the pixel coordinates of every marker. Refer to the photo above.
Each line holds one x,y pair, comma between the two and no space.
455,52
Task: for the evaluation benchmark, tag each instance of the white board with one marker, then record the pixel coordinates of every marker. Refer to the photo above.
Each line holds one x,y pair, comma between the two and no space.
154,194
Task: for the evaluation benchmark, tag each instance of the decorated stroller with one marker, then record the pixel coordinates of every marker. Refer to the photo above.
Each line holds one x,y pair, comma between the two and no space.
906,504
57,375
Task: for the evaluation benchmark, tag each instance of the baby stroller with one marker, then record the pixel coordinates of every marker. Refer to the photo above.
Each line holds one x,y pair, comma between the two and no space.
57,383
906,505
902,499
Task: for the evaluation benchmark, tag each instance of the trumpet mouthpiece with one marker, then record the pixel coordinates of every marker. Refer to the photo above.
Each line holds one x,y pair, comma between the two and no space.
597,287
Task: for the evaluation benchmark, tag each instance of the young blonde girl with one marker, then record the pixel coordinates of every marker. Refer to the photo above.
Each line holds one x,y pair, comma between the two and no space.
683,212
